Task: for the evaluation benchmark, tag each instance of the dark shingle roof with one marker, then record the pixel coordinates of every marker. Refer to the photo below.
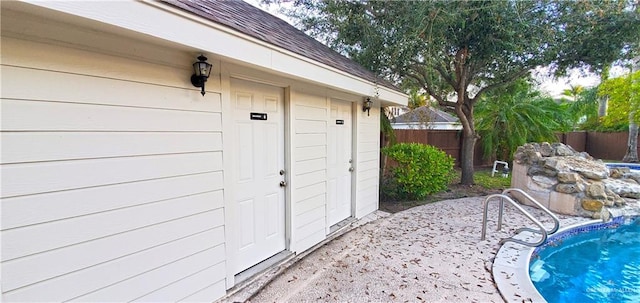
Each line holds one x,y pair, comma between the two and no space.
425,114
250,20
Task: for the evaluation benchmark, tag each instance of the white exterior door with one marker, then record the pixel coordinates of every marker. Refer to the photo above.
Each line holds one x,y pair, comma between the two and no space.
259,157
340,160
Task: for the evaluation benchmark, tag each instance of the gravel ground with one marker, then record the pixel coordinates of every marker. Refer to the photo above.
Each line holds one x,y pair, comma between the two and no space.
430,253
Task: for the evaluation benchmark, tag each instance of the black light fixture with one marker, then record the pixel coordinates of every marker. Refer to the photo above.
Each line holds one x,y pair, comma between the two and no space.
201,69
366,105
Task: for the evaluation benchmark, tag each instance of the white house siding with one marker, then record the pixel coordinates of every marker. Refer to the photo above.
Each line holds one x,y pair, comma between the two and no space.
111,179
306,154
310,115
367,161
114,185
309,181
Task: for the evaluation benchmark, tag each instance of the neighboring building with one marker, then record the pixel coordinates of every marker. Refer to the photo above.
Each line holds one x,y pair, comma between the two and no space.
426,117
121,182
394,111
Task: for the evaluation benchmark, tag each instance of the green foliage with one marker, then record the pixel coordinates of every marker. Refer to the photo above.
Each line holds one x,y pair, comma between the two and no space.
514,115
624,99
484,179
420,170
446,47
416,99
573,92
583,110
385,127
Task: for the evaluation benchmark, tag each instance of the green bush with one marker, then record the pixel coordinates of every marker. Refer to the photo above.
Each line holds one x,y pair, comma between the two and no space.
419,170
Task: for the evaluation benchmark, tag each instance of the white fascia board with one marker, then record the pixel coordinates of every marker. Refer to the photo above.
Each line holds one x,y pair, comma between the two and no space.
165,22
427,125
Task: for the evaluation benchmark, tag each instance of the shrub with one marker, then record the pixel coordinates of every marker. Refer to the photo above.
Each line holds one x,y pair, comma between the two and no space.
419,170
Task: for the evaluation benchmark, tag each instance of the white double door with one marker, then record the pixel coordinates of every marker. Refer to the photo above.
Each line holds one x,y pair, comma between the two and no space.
340,161
259,196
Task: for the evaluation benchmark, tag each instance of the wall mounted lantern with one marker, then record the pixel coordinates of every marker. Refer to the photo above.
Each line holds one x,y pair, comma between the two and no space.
201,69
366,105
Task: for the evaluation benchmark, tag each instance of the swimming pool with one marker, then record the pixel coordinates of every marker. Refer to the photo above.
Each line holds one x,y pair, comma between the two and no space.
632,166
593,263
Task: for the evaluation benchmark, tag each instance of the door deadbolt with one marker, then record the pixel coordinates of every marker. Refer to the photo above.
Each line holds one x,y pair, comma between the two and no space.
282,172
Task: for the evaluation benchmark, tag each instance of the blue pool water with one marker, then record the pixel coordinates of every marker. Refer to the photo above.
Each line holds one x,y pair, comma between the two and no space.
632,166
599,265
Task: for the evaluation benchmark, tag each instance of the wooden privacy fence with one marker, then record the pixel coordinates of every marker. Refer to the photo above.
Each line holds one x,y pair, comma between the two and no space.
450,141
606,146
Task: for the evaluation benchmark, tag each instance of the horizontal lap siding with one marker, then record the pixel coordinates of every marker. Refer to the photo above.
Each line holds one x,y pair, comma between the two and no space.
368,163
309,196
112,189
91,145
43,177
29,115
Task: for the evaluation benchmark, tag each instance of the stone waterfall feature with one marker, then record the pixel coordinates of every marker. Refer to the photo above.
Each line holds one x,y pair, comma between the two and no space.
574,183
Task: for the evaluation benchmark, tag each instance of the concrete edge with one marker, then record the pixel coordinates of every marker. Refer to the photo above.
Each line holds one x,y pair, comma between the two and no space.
511,268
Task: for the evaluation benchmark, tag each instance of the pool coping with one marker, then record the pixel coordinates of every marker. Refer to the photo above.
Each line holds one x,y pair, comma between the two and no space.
511,264
636,166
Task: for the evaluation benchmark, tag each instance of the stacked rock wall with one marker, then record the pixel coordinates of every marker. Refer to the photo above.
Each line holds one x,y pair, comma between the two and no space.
570,182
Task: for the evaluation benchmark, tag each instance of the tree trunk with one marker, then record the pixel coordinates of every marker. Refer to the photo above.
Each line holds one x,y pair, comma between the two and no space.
632,142
603,101
466,157
464,110
384,158
602,106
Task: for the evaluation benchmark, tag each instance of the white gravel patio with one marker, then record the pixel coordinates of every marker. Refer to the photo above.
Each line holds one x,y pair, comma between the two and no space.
429,253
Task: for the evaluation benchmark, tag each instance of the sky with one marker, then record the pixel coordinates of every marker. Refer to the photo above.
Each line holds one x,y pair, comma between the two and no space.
548,84
555,86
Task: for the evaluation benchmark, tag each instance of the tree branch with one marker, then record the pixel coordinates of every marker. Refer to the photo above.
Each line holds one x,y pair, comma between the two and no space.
423,78
471,72
428,87
445,75
506,80
419,78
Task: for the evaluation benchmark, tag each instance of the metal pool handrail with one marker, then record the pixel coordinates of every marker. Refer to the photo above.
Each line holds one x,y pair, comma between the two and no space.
556,221
542,231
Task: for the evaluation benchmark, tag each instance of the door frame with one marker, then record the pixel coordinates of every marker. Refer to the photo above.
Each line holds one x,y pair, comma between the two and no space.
230,71
354,162
354,155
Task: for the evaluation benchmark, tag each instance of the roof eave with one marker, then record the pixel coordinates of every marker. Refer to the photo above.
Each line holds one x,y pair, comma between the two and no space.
161,20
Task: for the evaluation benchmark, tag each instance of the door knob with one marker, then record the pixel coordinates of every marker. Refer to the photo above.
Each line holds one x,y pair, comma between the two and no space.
350,168
283,183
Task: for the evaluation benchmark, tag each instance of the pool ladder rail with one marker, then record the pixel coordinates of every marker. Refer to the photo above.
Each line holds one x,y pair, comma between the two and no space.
542,230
